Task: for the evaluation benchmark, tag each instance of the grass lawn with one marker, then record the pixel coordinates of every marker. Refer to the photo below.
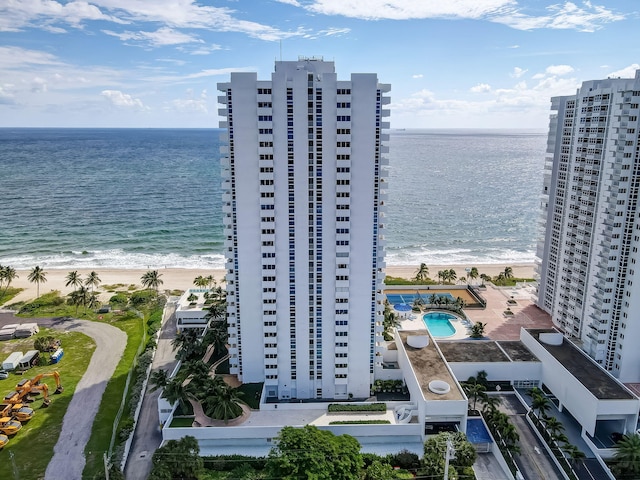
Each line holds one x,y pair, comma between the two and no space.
103,424
252,392
52,305
182,422
33,445
9,294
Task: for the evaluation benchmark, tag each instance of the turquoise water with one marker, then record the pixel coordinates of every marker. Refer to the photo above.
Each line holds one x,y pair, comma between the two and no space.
477,432
439,325
140,198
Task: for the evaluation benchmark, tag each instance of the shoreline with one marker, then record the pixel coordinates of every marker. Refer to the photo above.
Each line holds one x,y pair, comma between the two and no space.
182,278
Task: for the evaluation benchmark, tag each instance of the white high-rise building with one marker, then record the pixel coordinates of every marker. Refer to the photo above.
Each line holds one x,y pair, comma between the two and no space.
589,262
304,197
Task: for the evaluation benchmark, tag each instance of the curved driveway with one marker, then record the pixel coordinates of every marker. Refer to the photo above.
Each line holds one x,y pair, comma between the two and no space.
68,459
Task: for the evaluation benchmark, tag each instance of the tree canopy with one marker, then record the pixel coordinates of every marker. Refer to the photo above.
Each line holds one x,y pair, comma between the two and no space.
314,454
177,459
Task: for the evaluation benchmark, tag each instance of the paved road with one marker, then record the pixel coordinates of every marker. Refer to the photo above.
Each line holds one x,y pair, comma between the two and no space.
147,436
68,459
534,462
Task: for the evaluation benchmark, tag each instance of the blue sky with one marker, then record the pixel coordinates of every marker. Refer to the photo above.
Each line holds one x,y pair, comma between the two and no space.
451,63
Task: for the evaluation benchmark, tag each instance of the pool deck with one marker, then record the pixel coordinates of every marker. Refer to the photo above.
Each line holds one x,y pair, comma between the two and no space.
498,325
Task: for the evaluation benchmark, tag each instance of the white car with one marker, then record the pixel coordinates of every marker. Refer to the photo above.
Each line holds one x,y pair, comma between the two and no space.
4,374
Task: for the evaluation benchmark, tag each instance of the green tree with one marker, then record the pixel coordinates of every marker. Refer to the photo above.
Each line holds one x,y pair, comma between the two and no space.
188,345
151,279
434,454
37,276
554,427
311,453
174,391
473,274
485,278
540,404
73,279
441,276
477,330
158,379
222,401
177,459
7,275
452,276
92,280
627,456
573,453
474,391
78,297
508,272
423,273
200,281
379,471
211,281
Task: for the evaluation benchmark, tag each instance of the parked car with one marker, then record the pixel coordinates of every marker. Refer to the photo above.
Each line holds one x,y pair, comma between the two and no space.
4,374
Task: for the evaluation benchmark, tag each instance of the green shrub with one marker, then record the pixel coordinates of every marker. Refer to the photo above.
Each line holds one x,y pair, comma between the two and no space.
120,299
359,422
143,297
227,463
367,407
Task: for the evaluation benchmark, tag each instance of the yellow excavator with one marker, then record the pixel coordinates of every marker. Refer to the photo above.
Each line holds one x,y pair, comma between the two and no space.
9,426
27,387
20,412
3,441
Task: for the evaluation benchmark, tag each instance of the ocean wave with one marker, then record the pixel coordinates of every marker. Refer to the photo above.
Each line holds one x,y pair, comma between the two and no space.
461,256
116,259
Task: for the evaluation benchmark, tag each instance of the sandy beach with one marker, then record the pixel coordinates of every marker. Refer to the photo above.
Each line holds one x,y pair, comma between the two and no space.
181,279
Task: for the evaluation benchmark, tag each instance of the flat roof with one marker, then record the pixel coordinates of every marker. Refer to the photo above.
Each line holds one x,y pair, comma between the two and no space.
428,365
588,373
472,351
517,351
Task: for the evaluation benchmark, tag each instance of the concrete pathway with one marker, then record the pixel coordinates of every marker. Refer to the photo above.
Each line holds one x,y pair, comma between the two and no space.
147,436
68,459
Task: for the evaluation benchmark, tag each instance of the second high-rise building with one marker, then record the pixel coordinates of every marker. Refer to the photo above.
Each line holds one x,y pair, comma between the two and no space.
589,260
304,198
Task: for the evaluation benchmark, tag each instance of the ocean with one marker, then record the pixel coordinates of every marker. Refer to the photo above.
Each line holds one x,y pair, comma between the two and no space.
151,198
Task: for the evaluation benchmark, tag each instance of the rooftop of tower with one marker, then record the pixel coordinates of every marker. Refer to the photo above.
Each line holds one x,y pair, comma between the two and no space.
602,385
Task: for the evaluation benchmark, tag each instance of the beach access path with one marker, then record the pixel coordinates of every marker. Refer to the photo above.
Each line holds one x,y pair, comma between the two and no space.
68,459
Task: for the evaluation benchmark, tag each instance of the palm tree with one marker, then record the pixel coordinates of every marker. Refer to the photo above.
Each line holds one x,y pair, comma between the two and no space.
541,404
174,391
573,452
151,279
508,272
211,281
452,275
93,302
423,273
485,278
462,280
553,426
37,276
440,276
475,391
224,402
627,456
73,279
490,403
473,273
200,281
92,280
78,297
158,379
7,274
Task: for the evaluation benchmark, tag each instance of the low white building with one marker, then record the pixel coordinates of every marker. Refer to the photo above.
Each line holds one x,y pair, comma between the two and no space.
191,309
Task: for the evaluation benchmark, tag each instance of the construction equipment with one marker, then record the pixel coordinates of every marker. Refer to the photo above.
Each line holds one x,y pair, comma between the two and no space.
3,441
27,387
20,412
9,426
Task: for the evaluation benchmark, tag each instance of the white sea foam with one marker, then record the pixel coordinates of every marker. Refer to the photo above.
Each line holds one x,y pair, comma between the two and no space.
117,259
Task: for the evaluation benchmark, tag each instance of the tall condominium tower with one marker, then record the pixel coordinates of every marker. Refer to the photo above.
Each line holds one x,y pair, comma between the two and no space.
303,207
591,222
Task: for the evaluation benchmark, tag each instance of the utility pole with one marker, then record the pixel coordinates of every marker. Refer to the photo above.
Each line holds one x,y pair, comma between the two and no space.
449,454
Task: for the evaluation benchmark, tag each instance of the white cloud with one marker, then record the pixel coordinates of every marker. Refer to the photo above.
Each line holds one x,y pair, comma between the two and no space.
38,85
518,72
514,46
161,37
6,95
192,103
295,3
567,15
481,88
417,75
120,99
585,18
407,9
626,72
559,70
17,57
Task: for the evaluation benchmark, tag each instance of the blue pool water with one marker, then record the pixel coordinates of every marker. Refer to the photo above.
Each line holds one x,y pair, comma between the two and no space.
394,298
477,432
438,324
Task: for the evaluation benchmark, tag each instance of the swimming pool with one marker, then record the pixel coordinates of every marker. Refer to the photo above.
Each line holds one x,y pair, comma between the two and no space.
410,297
477,432
439,324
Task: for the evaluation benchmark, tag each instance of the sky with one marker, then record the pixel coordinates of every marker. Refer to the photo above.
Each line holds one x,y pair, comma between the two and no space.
450,63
